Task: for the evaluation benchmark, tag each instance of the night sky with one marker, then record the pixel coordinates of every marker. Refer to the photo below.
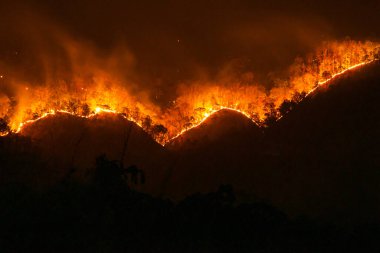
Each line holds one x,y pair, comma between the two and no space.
169,42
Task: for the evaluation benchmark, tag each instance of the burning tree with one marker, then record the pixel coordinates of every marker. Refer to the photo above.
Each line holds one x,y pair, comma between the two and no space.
271,114
147,124
159,133
4,127
377,53
103,93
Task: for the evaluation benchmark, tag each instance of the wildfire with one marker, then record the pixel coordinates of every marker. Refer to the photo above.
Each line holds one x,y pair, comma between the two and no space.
322,83
207,116
98,110
103,93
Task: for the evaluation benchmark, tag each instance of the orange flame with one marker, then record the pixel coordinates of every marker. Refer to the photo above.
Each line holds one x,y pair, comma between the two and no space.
197,103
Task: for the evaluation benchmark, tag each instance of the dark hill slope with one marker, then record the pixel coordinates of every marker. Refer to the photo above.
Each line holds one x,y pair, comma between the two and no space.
217,152
21,163
217,128
69,142
329,148
322,158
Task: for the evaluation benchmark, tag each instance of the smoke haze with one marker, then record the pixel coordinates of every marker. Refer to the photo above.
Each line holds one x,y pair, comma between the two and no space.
157,45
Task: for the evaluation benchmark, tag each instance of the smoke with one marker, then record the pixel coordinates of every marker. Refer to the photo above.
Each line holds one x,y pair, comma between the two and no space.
154,47
44,67
41,53
172,62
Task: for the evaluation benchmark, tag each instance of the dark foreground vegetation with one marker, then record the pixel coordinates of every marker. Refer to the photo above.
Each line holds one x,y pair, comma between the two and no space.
321,160
106,215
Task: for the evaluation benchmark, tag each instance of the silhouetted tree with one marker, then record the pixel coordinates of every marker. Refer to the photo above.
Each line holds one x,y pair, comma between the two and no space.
126,112
289,105
298,97
4,126
271,114
147,124
107,173
85,110
73,106
286,106
110,174
159,132
134,173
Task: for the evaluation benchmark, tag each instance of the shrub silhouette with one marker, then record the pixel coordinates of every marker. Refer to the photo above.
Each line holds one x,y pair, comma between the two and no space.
110,174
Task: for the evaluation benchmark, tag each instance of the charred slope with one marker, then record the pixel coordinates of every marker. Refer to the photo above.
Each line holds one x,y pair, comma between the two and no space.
69,142
216,152
329,151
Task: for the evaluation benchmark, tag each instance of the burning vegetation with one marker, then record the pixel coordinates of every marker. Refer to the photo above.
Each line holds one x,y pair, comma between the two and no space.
94,88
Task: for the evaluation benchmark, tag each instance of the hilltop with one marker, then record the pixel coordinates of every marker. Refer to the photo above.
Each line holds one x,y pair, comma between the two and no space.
219,151
328,149
69,145
320,159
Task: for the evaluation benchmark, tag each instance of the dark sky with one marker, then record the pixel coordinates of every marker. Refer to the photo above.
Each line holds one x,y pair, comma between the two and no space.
174,41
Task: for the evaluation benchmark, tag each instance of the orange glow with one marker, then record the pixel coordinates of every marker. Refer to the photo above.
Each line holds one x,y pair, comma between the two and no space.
207,116
104,93
322,83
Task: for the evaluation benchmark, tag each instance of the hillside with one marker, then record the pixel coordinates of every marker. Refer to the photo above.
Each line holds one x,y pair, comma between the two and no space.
219,151
67,142
218,127
320,159
329,149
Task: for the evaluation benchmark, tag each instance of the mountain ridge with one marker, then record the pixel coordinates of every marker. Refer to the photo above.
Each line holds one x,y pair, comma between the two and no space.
320,158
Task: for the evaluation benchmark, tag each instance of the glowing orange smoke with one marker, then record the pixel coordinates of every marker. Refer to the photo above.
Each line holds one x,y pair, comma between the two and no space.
196,102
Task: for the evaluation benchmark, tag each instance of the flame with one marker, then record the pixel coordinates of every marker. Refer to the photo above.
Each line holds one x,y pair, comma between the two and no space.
322,83
207,116
102,93
330,61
